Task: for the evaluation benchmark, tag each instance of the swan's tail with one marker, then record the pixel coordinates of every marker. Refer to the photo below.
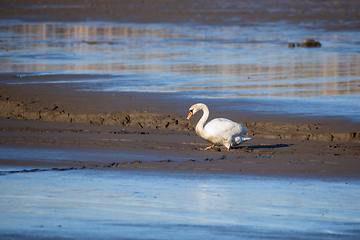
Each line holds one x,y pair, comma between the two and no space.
240,139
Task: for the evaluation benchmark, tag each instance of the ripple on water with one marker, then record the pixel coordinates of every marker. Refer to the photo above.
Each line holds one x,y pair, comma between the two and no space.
209,61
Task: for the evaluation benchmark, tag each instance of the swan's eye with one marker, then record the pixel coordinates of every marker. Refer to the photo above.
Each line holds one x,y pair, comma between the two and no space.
191,110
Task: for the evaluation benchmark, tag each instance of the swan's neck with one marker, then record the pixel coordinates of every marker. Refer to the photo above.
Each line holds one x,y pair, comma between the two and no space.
200,125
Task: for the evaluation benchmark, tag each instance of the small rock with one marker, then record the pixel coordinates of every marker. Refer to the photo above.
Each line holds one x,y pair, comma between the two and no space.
138,161
309,43
291,45
167,160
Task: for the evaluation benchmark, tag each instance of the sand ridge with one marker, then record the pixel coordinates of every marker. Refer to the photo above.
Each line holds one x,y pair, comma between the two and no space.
155,111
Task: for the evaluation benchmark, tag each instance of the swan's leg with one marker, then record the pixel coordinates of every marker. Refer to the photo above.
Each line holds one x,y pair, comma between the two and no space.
205,149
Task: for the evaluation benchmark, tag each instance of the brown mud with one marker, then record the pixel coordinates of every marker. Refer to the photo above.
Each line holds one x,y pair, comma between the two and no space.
155,125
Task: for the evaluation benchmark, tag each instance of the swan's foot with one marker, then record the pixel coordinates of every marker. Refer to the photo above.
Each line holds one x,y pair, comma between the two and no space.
205,149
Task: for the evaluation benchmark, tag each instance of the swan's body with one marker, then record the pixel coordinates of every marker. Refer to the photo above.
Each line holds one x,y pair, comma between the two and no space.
219,131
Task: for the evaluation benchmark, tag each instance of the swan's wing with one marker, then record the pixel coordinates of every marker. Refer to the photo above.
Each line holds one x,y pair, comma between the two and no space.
222,131
224,128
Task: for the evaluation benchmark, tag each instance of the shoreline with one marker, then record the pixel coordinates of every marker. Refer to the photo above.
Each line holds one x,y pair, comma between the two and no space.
152,127
150,131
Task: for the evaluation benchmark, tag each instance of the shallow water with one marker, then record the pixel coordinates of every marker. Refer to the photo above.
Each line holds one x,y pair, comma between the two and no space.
250,62
41,154
176,205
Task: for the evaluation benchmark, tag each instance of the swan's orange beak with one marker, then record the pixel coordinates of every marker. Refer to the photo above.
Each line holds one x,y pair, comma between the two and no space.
189,116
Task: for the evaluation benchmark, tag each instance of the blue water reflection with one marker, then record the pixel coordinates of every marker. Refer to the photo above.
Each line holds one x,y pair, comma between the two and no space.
208,61
177,205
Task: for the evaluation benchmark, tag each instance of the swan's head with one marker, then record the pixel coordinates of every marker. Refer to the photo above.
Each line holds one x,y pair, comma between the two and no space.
194,108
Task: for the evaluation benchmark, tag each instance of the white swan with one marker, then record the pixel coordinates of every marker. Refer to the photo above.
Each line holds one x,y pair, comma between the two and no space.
219,131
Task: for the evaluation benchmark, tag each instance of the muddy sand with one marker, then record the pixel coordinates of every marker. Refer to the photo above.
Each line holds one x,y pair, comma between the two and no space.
148,130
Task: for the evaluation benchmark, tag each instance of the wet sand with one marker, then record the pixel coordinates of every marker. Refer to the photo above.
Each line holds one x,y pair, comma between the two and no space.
151,131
